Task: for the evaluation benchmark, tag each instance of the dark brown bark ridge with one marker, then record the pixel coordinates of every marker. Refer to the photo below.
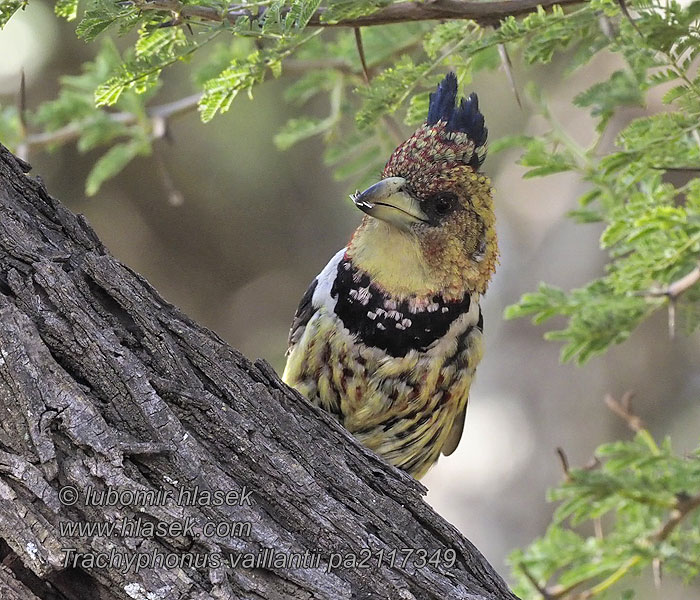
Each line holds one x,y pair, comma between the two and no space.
104,385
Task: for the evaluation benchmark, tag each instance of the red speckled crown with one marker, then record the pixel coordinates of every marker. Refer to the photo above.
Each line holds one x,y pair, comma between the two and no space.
452,135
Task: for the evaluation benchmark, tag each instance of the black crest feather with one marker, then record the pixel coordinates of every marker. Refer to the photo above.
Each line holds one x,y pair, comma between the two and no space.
464,117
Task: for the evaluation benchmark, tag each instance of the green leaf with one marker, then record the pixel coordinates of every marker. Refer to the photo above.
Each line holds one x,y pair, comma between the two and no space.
309,85
10,127
75,104
675,93
68,9
509,141
417,108
338,10
160,42
622,89
486,59
9,8
93,24
388,91
220,91
100,131
368,160
113,162
300,12
583,215
139,75
636,486
555,167
638,176
300,129
446,34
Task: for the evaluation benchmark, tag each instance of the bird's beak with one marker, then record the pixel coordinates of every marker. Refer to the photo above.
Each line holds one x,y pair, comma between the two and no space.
388,200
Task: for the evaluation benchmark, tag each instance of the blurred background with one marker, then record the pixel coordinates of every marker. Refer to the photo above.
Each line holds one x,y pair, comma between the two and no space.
257,224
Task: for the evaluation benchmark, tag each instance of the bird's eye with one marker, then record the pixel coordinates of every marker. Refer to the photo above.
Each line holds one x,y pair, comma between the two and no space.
443,204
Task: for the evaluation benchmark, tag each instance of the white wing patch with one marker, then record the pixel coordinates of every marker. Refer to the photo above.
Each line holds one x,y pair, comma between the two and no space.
322,293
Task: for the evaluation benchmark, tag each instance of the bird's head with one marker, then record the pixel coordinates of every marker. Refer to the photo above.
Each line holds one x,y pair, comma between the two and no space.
430,225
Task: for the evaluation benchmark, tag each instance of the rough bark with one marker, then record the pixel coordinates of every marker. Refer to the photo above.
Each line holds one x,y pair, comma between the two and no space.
106,386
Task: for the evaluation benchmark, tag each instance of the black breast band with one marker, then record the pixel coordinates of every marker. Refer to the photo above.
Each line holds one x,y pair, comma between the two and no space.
383,322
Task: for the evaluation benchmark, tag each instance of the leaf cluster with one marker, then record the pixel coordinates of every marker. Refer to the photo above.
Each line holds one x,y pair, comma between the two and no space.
638,506
9,8
651,227
75,110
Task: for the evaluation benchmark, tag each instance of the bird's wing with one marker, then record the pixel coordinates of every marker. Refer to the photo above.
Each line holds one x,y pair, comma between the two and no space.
455,434
307,307
303,315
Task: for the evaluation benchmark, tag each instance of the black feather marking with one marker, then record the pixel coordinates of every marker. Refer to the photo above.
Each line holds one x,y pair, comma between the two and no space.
464,118
303,315
374,327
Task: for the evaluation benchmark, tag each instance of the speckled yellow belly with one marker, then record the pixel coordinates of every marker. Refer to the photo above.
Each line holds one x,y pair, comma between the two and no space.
403,408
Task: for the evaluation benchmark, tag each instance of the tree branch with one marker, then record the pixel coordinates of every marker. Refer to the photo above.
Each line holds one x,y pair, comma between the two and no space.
673,291
484,13
684,506
162,113
676,288
106,388
623,409
157,114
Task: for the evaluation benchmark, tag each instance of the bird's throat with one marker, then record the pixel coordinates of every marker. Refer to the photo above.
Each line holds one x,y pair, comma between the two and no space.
393,259
396,261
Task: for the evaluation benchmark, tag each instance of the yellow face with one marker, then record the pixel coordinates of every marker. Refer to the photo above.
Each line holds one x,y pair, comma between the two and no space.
460,242
428,235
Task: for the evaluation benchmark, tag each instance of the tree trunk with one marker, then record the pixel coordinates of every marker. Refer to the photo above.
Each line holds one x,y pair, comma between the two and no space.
118,414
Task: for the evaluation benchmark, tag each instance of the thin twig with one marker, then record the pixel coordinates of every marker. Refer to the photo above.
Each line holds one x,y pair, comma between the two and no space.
22,103
598,528
531,578
175,196
173,109
564,461
681,169
684,506
656,569
606,26
22,148
678,287
361,52
508,68
626,12
673,291
391,125
155,113
591,465
608,581
623,409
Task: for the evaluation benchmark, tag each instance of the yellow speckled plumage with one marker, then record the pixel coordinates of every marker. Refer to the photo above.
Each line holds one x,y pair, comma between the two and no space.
369,389
388,336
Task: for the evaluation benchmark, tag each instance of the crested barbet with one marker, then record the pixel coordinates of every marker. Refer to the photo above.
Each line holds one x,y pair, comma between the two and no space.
388,336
